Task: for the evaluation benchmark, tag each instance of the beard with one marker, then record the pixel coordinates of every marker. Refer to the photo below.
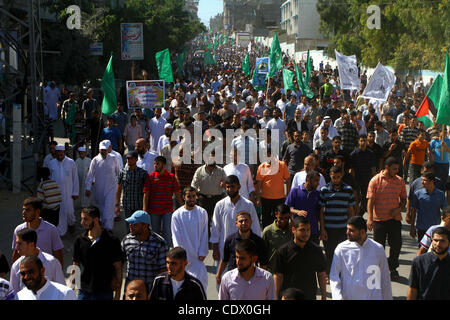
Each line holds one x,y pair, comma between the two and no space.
141,152
243,269
33,285
232,194
439,252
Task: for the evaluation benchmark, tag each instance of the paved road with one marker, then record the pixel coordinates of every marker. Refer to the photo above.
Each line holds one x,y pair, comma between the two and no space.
10,217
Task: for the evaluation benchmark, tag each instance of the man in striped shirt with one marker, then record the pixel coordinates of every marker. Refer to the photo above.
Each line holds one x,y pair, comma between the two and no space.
337,203
159,188
48,191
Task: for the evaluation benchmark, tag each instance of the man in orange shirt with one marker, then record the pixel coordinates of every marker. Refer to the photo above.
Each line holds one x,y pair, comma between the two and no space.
386,199
416,152
270,179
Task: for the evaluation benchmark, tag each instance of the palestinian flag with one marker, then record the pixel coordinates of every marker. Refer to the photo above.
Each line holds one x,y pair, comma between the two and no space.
428,108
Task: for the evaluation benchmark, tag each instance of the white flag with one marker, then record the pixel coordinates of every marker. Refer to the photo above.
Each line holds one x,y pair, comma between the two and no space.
380,84
249,48
348,71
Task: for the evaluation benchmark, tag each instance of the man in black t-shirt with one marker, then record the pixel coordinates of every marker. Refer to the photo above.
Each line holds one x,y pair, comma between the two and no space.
298,262
100,255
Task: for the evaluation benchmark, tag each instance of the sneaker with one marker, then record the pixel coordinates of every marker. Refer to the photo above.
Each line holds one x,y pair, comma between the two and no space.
394,275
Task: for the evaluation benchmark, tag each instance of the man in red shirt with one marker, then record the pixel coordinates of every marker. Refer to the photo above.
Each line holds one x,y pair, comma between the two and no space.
159,188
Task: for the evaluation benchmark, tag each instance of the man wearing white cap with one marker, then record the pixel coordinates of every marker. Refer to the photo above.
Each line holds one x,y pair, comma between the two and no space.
103,173
83,164
156,127
165,138
64,171
117,156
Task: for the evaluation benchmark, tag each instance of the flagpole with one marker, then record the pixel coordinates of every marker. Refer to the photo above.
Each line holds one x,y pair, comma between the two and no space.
443,145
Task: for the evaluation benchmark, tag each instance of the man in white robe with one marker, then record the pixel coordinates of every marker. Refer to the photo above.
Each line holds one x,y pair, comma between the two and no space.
83,164
224,217
115,154
190,231
103,173
165,138
156,127
242,171
360,268
64,171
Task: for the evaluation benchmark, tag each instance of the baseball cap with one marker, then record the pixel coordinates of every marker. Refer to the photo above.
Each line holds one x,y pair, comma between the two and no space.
103,146
139,216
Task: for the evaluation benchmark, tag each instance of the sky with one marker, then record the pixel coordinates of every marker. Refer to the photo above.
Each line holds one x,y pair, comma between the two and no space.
208,9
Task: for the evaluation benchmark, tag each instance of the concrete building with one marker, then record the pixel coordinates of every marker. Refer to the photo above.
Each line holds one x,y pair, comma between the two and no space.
300,19
255,15
192,7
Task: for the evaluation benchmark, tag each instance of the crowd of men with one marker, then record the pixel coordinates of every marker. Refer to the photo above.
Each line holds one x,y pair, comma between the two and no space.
281,227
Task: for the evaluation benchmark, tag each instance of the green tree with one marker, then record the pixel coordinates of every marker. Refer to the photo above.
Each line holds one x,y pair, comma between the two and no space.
166,24
414,34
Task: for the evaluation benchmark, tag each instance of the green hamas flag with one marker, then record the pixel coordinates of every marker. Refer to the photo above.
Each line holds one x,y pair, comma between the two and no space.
180,61
308,70
220,38
288,79
216,43
275,57
246,65
109,103
443,113
225,40
208,59
302,84
164,66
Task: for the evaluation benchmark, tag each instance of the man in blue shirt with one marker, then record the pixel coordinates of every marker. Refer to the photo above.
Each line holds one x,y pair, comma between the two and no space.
304,201
427,202
441,164
112,134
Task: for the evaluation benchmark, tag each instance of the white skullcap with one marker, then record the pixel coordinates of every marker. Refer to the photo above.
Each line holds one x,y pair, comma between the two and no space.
107,143
103,146
60,147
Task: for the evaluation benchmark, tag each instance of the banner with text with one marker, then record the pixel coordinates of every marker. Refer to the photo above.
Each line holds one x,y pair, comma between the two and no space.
132,41
380,84
348,71
145,93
